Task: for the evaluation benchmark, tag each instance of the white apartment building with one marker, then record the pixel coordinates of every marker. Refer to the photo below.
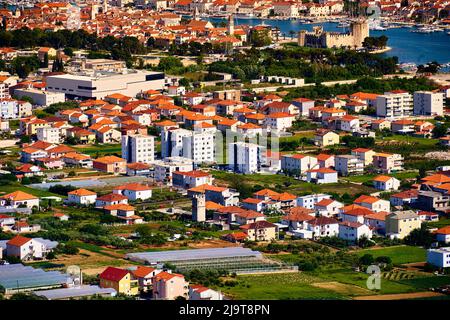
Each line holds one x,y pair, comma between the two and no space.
428,103
138,148
98,84
439,257
199,147
244,157
41,97
347,165
49,134
13,109
395,104
172,142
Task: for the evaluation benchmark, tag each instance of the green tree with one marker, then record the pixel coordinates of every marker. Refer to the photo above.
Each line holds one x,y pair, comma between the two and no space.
169,63
420,237
440,130
366,259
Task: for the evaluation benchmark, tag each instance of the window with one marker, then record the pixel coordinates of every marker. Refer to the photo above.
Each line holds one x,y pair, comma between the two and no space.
87,88
156,76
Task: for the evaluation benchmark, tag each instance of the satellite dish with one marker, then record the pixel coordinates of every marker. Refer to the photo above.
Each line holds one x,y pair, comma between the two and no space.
75,273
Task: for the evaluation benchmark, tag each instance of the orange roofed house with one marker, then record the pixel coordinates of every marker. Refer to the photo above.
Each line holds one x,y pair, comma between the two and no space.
18,199
110,164
82,197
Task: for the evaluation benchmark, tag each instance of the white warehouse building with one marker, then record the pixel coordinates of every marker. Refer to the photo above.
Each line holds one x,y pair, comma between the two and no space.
97,85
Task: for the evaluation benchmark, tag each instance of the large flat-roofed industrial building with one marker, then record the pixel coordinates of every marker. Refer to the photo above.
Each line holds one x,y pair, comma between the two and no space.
99,84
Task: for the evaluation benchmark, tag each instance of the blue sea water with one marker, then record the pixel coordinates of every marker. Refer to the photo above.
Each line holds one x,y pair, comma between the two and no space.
408,46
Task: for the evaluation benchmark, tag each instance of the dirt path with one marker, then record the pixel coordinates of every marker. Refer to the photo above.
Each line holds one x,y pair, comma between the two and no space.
400,296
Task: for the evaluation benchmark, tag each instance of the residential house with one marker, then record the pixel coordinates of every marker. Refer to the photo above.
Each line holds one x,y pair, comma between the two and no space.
191,179
19,199
29,249
82,197
322,175
260,231
323,227
134,191
405,197
309,201
110,164
348,165
386,183
364,154
443,234
373,203
400,224
120,280
387,163
325,160
198,292
377,221
144,275
324,138
353,231
169,286
297,164
328,207
110,199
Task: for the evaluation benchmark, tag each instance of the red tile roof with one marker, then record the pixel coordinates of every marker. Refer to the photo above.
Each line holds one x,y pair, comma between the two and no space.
113,274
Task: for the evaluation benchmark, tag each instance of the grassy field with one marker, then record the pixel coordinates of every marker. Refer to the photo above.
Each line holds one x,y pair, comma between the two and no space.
368,177
323,284
409,139
279,286
359,279
398,254
283,183
427,282
100,149
439,224
405,144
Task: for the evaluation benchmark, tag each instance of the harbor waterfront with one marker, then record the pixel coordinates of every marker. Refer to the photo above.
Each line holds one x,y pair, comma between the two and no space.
409,47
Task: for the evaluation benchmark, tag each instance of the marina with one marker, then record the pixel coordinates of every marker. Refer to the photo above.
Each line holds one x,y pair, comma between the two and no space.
408,46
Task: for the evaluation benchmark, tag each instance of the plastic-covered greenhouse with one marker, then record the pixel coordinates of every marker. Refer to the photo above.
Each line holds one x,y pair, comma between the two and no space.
232,259
17,277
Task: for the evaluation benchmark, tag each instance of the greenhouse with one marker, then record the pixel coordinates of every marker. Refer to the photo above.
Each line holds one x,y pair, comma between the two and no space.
17,278
232,259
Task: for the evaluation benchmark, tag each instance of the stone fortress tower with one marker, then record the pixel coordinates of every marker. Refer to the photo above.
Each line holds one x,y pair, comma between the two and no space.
359,29
318,38
199,207
230,24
